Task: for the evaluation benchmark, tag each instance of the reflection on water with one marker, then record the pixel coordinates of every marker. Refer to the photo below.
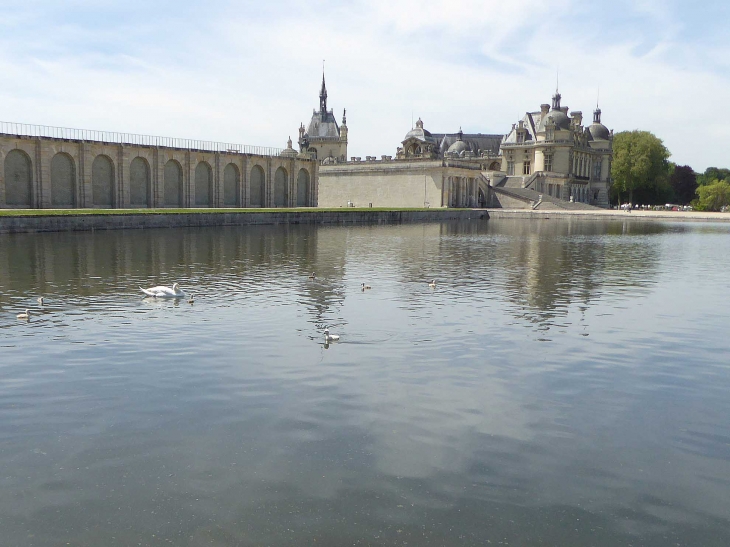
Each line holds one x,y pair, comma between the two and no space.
563,384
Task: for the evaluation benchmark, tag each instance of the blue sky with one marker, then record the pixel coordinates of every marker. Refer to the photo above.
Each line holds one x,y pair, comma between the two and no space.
249,72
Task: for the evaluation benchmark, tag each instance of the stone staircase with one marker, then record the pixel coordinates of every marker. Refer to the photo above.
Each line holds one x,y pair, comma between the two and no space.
512,187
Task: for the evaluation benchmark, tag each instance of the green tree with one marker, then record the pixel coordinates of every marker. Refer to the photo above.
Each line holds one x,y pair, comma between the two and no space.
640,161
713,196
684,184
713,174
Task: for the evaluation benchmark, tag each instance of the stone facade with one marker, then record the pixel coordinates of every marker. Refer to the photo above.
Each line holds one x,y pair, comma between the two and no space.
556,155
46,172
323,139
402,183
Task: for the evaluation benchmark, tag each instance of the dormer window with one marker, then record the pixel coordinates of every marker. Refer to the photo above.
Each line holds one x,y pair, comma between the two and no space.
549,133
520,137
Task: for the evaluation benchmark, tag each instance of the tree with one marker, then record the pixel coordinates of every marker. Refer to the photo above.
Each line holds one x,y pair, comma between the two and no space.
713,196
684,183
713,174
640,160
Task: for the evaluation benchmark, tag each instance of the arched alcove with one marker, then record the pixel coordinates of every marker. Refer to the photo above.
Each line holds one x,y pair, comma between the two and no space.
203,185
258,187
18,180
139,183
231,181
102,182
302,187
173,184
63,181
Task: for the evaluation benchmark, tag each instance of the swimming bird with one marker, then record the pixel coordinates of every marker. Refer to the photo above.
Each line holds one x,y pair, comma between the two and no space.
164,292
330,337
40,300
364,287
191,299
312,276
25,315
432,284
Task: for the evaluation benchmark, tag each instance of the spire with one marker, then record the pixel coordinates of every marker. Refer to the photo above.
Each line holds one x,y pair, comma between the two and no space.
344,116
597,111
557,96
460,135
323,95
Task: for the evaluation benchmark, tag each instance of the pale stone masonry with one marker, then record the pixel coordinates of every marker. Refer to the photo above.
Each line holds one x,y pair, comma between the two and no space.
46,172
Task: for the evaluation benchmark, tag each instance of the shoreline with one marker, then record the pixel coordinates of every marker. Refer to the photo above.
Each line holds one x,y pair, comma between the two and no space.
611,214
71,220
74,220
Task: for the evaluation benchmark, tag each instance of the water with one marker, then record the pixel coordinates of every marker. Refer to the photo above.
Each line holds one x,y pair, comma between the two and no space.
566,384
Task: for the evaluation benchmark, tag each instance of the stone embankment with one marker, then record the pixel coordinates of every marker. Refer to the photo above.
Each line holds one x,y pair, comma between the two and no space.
70,221
611,214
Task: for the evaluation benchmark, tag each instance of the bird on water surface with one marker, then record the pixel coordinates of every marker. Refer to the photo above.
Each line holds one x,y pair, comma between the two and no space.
40,300
25,315
365,287
432,284
330,337
312,276
164,292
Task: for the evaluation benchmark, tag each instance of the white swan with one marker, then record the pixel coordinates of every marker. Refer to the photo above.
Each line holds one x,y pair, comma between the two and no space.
432,284
164,292
25,315
330,337
365,287
40,300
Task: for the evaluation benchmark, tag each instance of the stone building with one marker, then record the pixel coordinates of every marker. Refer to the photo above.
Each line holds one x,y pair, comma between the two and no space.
475,147
420,175
324,139
552,153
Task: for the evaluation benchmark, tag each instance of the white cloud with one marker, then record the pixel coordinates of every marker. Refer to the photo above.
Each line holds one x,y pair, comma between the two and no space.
250,73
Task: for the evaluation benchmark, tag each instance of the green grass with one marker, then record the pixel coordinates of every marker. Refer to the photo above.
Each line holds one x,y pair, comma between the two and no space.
77,212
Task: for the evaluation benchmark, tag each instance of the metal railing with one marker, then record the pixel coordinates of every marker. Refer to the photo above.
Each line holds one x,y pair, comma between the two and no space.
67,133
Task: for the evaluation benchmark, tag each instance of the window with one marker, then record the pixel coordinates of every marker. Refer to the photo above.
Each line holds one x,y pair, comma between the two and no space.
526,168
549,134
557,191
597,170
550,189
548,163
520,138
510,168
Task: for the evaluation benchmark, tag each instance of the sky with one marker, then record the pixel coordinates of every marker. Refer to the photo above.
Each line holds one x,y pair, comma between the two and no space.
250,72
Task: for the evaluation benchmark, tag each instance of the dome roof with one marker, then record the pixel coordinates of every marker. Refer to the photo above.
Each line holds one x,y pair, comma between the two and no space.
419,133
559,117
458,147
599,131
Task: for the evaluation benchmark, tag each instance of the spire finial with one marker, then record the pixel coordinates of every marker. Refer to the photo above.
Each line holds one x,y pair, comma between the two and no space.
323,94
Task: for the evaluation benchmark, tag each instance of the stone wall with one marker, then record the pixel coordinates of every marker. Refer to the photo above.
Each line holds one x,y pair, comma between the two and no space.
399,183
44,172
81,222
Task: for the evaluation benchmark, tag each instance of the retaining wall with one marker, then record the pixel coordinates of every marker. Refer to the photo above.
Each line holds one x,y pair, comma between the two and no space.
80,222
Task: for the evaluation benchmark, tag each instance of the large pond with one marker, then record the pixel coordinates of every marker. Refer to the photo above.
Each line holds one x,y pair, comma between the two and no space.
566,383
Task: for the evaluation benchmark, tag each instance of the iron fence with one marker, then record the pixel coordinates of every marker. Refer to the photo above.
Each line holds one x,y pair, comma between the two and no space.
112,137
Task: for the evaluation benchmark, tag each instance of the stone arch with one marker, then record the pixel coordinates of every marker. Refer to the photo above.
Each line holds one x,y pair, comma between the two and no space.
495,166
173,185
231,181
139,183
281,188
302,187
102,182
18,180
481,200
258,187
63,181
203,184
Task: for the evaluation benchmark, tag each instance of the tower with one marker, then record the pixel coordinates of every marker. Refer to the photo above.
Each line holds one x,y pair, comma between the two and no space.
323,138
